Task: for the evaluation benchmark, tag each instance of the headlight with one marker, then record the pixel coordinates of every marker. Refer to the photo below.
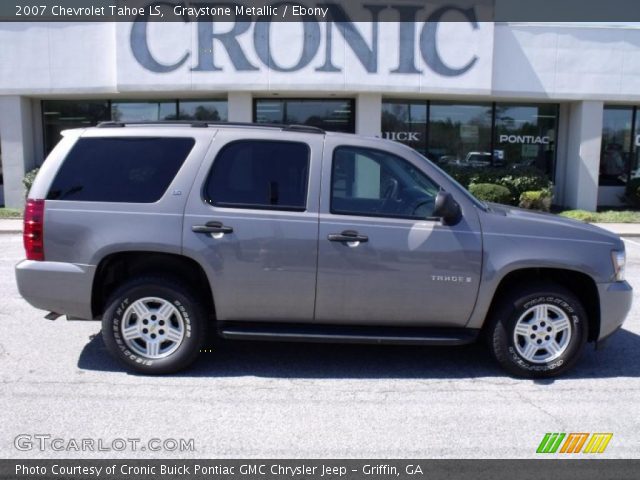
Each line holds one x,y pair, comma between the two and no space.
619,259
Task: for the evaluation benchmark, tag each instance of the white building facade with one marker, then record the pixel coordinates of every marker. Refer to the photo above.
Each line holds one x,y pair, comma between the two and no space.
558,98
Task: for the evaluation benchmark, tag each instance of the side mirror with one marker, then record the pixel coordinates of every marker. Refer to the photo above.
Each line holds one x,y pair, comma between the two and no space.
447,208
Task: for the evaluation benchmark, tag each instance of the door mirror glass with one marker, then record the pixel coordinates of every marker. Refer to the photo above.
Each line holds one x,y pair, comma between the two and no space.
447,208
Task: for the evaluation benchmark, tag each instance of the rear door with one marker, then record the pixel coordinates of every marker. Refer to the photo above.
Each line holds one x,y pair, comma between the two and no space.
382,259
252,222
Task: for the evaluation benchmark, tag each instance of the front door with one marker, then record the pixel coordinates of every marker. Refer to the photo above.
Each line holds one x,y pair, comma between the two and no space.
382,259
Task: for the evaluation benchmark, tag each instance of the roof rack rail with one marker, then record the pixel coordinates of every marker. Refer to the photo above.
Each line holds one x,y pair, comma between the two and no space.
109,124
205,124
303,128
167,123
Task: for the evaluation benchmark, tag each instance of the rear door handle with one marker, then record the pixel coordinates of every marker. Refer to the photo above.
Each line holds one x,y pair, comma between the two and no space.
212,227
350,237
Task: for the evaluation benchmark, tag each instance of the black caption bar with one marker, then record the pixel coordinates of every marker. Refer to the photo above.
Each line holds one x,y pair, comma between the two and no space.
240,10
317,10
319,469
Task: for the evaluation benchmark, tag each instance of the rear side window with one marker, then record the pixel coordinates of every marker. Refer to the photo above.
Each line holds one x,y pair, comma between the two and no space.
260,174
120,169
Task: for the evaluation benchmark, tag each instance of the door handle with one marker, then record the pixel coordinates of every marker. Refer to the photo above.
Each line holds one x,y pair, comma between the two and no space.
350,237
212,227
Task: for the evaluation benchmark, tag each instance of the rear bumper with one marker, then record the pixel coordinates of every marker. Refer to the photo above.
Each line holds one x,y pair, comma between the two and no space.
63,288
615,304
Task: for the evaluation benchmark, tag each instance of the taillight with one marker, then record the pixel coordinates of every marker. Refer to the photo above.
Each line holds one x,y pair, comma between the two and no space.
33,234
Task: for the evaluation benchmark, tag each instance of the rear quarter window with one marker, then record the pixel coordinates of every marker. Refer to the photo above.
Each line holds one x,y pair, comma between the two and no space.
120,169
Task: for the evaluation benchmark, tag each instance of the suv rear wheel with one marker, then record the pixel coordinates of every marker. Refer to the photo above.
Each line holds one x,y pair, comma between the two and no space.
154,325
538,331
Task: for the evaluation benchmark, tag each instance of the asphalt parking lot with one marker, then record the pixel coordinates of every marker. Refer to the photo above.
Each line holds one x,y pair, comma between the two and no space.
274,400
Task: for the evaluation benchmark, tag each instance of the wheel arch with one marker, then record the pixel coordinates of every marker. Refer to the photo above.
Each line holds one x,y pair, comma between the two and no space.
118,267
578,283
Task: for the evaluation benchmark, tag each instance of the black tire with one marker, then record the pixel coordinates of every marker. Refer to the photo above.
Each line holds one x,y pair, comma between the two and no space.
189,307
513,305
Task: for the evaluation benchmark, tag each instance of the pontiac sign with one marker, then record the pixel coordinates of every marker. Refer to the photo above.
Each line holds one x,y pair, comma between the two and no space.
248,46
525,139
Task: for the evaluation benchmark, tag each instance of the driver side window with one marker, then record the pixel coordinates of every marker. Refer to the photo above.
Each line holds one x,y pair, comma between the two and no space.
376,183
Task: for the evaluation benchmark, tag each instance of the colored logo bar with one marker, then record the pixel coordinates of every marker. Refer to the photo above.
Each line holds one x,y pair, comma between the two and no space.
574,443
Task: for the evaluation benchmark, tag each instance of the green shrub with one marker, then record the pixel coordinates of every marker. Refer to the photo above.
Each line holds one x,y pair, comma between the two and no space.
520,183
10,213
610,216
536,200
517,181
461,174
490,192
28,179
582,215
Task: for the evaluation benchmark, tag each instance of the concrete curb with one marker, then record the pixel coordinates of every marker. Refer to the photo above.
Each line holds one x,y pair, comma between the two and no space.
621,229
628,235
10,225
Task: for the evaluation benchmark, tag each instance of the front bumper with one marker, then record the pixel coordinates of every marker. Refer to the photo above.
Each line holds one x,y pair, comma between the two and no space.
64,288
615,304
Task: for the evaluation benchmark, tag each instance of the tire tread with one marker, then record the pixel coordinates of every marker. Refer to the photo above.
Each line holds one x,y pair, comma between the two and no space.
198,318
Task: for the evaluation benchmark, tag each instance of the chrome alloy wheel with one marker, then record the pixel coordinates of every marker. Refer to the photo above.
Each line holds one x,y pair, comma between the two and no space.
542,333
152,327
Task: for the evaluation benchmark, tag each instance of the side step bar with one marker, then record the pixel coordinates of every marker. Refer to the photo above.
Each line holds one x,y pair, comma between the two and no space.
296,332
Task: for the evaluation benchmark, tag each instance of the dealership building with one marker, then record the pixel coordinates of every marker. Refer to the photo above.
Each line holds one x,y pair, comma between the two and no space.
562,98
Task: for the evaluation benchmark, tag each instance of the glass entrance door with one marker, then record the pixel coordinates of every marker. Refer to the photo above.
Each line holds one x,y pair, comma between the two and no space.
618,154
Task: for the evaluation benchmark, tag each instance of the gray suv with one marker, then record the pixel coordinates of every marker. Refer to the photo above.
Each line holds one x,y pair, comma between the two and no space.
166,231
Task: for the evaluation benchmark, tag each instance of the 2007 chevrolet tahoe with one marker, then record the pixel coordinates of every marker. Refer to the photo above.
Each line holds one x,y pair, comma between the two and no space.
164,231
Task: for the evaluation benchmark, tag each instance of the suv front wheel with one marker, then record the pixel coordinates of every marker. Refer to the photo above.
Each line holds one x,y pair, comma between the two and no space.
538,331
154,325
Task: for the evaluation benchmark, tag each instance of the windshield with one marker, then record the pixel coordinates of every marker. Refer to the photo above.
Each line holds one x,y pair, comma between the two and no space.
466,192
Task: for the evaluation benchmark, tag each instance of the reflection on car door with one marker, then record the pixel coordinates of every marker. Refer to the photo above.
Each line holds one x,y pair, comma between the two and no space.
382,260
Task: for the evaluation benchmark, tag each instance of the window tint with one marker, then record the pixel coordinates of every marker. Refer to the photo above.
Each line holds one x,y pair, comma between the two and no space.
406,121
59,115
375,183
616,148
460,135
152,111
334,115
525,136
137,170
203,110
260,174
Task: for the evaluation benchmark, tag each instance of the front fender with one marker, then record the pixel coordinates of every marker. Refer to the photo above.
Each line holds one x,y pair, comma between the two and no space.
506,253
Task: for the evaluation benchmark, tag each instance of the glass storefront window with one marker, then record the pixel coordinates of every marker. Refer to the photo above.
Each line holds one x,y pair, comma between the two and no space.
635,157
525,135
475,135
133,111
406,122
203,110
616,146
460,134
335,115
59,115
